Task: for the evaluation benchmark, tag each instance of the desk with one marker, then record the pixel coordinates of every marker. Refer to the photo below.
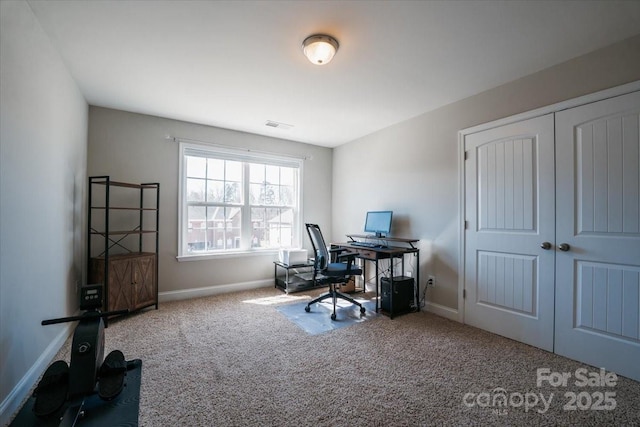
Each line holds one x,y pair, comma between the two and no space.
396,247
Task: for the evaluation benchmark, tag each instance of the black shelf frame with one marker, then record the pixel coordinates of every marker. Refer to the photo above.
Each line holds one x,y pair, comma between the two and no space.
291,281
106,233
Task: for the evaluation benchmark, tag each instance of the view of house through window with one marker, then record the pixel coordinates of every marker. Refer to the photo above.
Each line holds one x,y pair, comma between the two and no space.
236,202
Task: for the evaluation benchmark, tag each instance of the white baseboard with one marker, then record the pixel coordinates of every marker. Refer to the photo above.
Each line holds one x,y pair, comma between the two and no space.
212,290
12,403
442,311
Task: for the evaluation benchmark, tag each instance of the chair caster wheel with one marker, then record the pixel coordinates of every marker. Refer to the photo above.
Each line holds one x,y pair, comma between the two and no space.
307,309
333,316
361,310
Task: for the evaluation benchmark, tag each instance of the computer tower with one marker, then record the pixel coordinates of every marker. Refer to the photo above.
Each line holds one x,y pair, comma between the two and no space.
403,294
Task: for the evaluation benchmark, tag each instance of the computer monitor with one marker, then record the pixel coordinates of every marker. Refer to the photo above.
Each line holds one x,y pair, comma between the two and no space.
378,222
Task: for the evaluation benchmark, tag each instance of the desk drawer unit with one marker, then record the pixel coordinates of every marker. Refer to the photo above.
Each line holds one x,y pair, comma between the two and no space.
364,253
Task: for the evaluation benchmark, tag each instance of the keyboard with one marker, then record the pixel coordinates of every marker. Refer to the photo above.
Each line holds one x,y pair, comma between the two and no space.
367,245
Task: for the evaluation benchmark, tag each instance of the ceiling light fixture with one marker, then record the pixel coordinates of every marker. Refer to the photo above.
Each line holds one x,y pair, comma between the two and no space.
320,48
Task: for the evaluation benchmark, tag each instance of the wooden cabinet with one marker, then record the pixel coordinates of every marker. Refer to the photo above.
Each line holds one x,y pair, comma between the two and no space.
123,242
132,280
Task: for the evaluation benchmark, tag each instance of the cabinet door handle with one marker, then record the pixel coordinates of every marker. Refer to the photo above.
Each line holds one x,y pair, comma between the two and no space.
545,245
564,247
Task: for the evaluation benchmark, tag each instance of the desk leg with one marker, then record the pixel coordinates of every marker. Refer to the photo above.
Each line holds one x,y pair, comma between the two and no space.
377,284
418,281
391,286
363,264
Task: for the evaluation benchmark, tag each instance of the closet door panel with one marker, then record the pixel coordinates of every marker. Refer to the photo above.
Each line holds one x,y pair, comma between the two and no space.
509,277
598,217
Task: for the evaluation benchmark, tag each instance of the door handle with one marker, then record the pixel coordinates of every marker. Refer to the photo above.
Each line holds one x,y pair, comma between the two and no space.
564,247
545,245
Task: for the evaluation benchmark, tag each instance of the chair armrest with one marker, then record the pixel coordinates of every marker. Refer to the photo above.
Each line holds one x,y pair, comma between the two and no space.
335,253
350,256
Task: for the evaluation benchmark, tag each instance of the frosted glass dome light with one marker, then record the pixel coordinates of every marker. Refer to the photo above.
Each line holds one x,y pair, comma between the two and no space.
320,49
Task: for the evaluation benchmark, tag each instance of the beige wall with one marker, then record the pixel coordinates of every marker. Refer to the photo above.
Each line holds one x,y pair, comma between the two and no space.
43,142
132,148
412,167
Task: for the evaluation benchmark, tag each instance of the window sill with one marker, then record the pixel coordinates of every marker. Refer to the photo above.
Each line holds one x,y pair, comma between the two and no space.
223,255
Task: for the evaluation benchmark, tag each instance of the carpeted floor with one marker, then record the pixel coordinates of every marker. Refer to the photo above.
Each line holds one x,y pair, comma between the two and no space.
235,360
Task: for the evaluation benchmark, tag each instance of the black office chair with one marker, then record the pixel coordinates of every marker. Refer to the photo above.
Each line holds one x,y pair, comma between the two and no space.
332,273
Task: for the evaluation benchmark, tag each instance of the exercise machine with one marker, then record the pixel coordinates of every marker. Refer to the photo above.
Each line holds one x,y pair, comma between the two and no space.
64,390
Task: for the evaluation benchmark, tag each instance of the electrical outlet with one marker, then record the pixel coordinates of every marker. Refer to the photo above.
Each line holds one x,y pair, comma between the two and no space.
431,280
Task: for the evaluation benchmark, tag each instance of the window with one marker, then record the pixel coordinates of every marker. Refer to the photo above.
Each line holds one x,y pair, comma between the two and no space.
237,201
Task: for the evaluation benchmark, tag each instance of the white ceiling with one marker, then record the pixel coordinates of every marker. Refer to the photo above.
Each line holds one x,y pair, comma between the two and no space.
237,64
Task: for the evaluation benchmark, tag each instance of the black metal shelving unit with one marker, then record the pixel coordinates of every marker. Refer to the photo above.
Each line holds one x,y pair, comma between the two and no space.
108,247
295,277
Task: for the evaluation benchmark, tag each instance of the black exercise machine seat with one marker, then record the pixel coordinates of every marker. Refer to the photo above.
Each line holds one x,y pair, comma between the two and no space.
331,273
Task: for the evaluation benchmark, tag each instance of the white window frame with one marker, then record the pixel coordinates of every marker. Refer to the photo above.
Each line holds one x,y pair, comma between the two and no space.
246,156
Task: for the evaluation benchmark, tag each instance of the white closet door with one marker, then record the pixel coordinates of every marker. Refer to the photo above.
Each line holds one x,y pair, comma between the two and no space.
510,213
598,216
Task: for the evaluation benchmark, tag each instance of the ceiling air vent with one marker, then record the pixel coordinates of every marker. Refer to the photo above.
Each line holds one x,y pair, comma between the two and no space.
278,125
